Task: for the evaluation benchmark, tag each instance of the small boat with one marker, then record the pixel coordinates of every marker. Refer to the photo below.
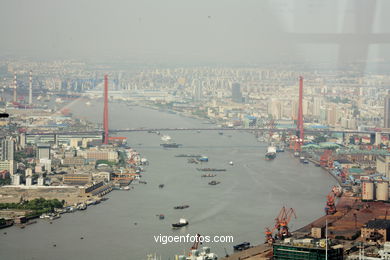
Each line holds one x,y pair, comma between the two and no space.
82,206
181,207
203,159
305,161
142,182
214,182
161,216
161,186
55,216
242,246
231,163
88,103
182,222
208,175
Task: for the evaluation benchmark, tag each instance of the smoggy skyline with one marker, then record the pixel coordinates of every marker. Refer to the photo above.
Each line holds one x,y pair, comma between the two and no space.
224,31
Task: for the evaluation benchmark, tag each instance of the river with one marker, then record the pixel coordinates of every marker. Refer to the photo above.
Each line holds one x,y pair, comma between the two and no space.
247,200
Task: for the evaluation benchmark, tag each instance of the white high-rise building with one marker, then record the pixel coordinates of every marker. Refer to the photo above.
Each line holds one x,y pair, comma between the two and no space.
29,181
16,179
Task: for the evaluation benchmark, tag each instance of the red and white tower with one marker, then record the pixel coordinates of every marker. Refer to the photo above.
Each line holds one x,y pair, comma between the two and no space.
300,130
105,112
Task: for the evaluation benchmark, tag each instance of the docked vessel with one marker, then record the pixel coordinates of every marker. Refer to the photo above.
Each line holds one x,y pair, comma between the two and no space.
181,207
171,145
271,153
203,254
182,222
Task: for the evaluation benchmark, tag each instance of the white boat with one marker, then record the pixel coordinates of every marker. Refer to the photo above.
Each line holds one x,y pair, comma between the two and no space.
88,103
166,138
231,162
203,254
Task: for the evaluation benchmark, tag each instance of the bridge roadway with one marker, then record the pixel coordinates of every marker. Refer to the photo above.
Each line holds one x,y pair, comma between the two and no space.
278,130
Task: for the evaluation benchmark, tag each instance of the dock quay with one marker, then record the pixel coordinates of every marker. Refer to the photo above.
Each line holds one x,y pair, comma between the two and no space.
260,252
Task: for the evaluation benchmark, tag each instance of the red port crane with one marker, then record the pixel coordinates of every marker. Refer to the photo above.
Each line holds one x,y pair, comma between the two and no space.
326,159
284,230
330,208
269,235
196,244
281,225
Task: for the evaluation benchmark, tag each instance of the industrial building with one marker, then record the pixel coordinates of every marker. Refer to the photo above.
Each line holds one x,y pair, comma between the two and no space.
77,179
377,230
301,250
375,190
43,151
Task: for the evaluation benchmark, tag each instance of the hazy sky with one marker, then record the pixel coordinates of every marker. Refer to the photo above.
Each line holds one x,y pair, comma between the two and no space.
196,30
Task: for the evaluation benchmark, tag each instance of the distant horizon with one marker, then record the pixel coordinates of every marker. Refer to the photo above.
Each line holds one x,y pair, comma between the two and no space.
198,32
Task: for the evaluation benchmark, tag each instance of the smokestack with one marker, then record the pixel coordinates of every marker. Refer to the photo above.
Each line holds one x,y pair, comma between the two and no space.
30,89
15,82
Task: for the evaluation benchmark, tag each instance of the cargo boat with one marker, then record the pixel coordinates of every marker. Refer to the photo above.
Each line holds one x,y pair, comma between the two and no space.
210,170
271,153
181,207
171,145
189,155
182,222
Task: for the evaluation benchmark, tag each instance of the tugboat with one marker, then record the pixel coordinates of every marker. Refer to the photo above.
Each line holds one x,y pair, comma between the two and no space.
182,222
214,182
181,207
